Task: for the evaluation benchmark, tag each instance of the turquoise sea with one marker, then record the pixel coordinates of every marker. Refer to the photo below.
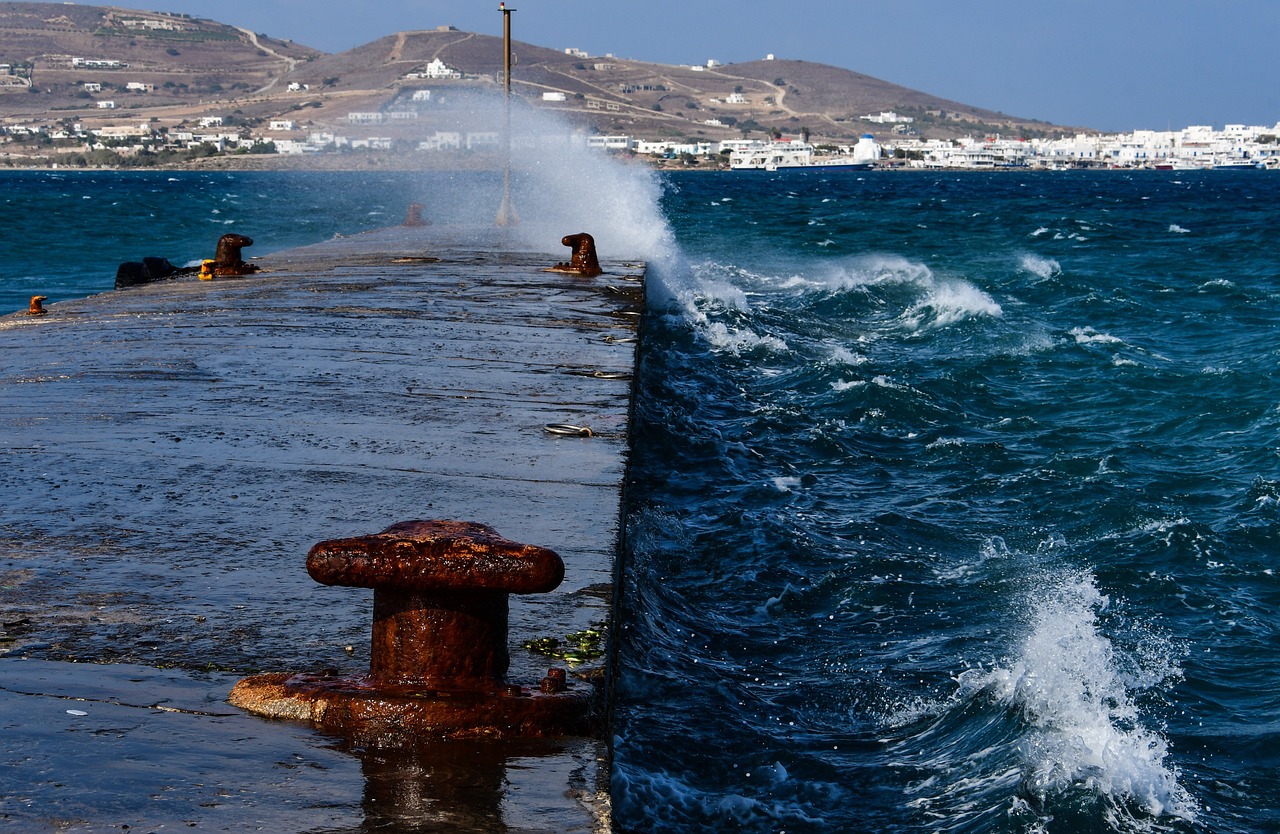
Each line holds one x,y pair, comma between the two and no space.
955,500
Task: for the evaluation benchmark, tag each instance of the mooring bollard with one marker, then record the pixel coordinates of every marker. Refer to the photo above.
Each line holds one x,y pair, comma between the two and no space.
439,645
227,259
36,307
413,217
584,260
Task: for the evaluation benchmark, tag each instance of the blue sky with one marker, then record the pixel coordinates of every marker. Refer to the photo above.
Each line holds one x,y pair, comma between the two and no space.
1113,65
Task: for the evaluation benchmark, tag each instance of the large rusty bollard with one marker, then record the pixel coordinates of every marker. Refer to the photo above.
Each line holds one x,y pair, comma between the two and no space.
584,260
36,307
227,259
438,655
413,216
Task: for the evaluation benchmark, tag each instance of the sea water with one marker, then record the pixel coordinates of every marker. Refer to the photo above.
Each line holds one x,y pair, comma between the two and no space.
955,496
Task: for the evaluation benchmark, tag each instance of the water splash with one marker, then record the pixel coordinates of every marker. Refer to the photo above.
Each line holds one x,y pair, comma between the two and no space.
1076,693
1041,267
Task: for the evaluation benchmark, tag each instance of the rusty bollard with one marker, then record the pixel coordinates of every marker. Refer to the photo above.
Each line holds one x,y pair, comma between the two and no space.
413,217
584,260
227,259
36,307
438,655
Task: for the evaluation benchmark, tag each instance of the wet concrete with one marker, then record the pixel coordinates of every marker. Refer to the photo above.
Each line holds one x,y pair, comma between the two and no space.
171,452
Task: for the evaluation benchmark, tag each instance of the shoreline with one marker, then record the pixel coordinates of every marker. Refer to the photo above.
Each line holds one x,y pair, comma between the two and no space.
364,163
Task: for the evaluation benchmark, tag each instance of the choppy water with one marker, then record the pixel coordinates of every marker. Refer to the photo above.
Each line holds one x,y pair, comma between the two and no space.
956,496
957,508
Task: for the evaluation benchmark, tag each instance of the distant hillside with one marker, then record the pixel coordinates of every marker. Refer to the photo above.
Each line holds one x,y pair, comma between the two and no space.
61,47
187,65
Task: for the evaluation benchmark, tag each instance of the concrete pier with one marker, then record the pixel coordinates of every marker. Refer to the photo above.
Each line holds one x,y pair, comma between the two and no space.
170,453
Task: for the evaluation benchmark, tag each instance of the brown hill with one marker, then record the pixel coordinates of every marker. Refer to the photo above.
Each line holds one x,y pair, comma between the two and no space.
616,95
196,65
61,48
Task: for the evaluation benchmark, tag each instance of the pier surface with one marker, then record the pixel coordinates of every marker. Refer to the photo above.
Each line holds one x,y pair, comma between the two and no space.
172,451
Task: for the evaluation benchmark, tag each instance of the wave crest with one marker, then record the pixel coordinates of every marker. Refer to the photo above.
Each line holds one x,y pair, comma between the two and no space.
1069,685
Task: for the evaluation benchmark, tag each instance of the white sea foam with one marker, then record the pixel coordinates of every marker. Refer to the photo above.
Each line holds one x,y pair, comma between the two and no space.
784,483
721,295
1177,230
948,302
1076,694
873,270
1042,268
739,340
931,301
1089,336
841,355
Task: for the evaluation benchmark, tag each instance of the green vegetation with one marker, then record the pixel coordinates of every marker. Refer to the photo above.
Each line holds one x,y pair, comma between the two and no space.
192,36
578,647
108,158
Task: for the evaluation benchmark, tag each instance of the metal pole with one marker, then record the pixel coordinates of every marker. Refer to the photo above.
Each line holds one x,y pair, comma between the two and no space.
506,212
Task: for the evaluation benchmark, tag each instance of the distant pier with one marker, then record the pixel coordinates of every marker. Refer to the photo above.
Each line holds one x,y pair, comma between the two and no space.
172,451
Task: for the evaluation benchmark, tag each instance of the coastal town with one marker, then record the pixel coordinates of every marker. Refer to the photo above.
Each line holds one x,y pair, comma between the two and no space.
146,143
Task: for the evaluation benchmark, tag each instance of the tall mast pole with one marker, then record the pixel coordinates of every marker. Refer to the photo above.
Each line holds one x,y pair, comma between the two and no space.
506,212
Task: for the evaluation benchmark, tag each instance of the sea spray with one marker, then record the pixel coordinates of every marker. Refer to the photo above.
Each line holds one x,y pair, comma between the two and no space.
1077,697
559,186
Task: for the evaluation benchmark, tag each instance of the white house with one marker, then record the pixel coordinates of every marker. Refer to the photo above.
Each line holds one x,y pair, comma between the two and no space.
290,146
422,95
98,63
553,97
282,124
439,69
735,98
888,117
610,143
210,121
442,140
106,105
122,131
